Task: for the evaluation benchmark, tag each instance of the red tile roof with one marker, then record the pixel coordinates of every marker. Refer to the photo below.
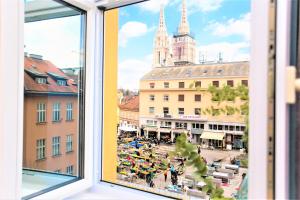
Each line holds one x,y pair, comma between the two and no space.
131,105
44,67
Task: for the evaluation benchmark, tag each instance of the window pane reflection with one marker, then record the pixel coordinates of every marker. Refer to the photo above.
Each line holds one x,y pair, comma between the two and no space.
53,95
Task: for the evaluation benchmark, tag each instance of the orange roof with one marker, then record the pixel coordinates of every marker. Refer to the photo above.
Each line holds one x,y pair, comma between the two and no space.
43,68
131,105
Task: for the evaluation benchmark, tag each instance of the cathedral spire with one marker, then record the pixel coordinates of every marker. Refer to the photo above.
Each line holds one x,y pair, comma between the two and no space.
162,55
184,27
162,22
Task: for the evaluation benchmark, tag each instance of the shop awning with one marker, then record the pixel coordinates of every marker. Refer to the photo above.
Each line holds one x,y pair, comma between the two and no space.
127,129
212,135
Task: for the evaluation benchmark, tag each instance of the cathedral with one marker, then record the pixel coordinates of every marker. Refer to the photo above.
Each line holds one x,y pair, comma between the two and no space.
181,49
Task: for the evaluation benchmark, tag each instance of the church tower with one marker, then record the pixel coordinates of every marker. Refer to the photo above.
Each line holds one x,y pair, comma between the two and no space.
162,55
184,44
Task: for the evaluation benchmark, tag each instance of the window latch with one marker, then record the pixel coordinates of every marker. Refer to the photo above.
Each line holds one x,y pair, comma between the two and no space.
292,84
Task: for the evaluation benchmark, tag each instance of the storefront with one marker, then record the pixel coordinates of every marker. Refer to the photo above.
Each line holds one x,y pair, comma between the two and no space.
212,139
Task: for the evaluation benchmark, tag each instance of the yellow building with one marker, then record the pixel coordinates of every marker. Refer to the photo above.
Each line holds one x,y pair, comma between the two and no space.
169,105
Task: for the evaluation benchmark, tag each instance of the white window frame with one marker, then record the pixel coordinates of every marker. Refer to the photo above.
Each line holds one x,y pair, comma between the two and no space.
56,112
11,107
70,170
41,113
40,80
69,112
56,146
69,143
41,149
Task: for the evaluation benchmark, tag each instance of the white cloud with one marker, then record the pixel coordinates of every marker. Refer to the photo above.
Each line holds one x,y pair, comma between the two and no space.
131,71
232,26
153,5
230,51
192,5
203,5
132,29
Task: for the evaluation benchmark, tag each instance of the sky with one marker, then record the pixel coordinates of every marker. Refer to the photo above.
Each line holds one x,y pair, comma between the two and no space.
219,26
57,40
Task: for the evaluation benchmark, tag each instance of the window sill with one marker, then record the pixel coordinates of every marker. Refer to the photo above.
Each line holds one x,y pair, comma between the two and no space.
40,160
41,123
110,191
69,152
58,155
71,120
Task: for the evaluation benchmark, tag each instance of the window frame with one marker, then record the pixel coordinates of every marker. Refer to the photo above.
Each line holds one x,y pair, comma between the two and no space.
12,23
11,28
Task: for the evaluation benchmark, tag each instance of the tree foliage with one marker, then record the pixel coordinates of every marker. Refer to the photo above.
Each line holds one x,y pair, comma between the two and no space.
229,95
189,152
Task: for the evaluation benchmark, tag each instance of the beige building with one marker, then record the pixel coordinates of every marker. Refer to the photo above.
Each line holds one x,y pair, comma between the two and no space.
170,104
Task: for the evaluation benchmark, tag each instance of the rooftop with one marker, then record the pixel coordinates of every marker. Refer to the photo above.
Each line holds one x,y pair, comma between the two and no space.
45,69
230,69
131,105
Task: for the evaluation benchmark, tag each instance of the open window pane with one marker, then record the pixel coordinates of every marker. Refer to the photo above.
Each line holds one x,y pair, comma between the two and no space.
54,55
197,70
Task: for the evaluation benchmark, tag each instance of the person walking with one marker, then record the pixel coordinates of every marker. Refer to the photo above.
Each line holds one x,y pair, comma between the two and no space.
166,175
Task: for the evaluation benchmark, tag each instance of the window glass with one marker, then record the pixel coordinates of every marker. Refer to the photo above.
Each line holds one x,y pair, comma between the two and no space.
54,52
181,97
165,51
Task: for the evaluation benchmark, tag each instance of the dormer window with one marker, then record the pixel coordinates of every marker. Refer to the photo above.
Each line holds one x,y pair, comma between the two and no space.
39,80
61,82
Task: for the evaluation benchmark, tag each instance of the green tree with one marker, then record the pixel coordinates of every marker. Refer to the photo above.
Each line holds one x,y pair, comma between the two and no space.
229,94
189,151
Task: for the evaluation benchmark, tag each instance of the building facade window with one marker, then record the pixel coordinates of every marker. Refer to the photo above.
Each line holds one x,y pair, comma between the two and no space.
165,124
69,143
181,97
181,84
41,113
152,85
180,111
56,146
70,170
166,110
41,149
69,116
245,83
151,97
198,84
151,123
151,110
197,111
216,83
166,85
166,97
56,112
181,125
198,97
40,80
197,126
61,82
230,83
